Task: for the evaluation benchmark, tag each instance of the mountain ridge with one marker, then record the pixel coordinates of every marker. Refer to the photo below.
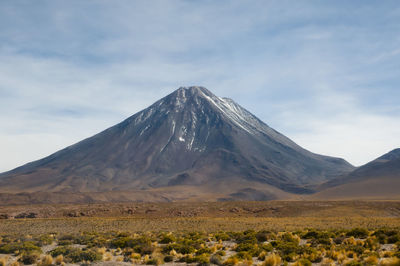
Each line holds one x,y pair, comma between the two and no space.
378,179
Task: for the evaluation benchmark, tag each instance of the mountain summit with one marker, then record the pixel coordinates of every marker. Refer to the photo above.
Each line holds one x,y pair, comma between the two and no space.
188,144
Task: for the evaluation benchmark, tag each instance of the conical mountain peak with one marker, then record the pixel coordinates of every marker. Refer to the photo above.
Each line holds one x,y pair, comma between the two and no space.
189,94
190,137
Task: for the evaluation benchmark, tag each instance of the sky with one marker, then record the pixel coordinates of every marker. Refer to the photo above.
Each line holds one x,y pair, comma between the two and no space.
324,73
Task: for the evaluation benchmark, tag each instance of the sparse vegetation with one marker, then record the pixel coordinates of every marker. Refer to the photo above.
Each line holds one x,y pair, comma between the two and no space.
358,246
230,240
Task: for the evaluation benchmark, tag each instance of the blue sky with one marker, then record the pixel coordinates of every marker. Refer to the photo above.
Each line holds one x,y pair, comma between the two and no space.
324,73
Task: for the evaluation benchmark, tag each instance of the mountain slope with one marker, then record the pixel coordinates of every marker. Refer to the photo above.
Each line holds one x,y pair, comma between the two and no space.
189,138
379,179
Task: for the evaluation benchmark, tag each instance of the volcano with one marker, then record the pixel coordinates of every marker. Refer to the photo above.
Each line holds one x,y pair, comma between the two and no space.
189,145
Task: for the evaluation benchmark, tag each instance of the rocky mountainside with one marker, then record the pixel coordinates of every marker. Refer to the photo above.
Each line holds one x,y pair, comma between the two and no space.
379,179
189,141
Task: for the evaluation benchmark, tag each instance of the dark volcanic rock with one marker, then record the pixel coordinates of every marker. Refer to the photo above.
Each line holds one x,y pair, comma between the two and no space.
189,138
26,215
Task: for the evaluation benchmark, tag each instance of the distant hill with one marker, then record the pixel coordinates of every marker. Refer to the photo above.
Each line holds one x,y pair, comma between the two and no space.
189,145
379,179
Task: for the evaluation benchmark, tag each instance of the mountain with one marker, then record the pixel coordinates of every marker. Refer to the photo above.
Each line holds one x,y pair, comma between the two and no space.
379,179
190,144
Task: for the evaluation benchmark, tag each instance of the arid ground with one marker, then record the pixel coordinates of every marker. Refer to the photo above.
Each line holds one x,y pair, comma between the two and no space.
189,216
217,233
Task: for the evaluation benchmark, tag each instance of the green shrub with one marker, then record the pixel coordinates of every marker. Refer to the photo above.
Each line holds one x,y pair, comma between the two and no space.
178,247
44,240
355,248
358,233
85,255
9,248
312,234
169,258
65,242
263,236
29,257
288,250
304,262
166,239
243,255
252,249
123,242
154,261
216,259
67,237
142,245
74,255
393,239
354,263
27,247
203,251
222,236
64,250
220,253
339,240
289,238
201,259
248,236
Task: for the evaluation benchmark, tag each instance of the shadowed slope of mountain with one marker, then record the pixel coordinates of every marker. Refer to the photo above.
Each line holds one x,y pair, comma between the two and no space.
379,179
189,138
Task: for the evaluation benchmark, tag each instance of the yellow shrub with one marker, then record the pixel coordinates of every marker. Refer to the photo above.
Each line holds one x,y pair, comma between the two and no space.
108,256
102,251
262,255
390,262
372,260
341,256
350,241
327,262
351,254
246,263
333,254
46,261
3,261
386,254
59,259
136,256
272,260
231,261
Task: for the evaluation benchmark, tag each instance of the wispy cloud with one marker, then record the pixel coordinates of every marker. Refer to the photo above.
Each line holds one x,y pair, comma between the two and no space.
324,74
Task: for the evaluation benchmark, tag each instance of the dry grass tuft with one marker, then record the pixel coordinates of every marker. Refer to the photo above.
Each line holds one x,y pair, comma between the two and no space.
390,262
107,256
327,262
371,260
272,260
59,259
3,261
46,261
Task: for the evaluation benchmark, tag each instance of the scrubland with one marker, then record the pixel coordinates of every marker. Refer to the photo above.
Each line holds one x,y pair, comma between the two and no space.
280,233
357,246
